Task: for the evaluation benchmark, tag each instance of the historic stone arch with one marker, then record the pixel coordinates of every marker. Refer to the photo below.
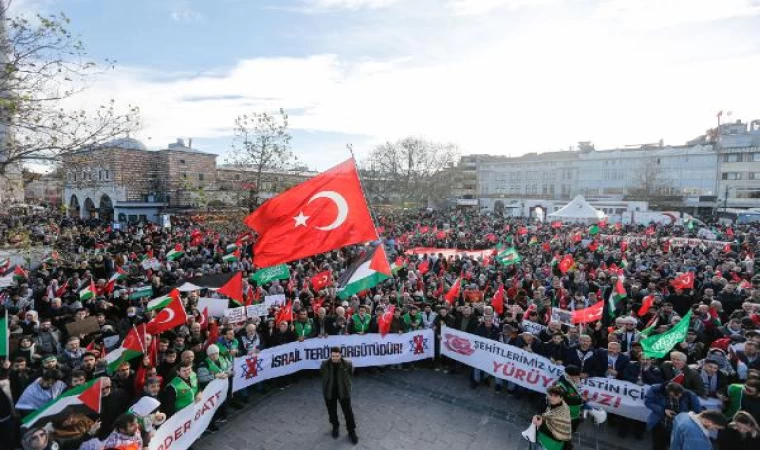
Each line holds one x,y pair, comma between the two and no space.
89,211
498,207
106,208
74,206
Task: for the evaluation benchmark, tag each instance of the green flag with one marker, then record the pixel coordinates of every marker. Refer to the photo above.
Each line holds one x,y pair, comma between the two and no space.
263,276
690,224
593,230
509,256
659,345
4,333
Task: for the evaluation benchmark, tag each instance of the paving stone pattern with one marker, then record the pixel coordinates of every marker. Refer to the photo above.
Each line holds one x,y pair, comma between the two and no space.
395,410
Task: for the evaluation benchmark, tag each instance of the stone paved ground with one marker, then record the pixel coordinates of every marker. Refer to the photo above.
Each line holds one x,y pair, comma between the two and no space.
419,409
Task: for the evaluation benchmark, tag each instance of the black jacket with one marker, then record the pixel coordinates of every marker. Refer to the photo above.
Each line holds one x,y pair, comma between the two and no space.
344,371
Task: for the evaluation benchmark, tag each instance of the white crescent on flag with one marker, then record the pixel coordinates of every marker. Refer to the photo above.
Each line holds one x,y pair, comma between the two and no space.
171,314
340,203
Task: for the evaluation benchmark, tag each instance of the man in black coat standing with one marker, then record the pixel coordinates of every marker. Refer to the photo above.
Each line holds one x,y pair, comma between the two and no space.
336,386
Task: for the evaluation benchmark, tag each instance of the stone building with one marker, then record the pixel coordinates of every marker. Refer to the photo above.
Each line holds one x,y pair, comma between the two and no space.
43,188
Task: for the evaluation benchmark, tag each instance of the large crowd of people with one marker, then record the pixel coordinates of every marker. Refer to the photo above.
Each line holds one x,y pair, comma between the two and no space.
718,359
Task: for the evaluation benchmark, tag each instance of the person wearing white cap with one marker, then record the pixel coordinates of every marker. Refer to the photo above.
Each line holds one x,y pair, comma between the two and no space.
216,366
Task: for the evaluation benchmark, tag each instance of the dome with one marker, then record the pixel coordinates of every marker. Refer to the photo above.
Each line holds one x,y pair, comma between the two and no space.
126,143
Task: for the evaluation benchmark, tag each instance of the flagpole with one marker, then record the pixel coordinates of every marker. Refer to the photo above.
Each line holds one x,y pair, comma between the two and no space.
350,148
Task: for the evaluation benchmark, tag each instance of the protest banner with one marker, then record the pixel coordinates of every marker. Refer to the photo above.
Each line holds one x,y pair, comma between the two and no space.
235,315
85,326
152,264
562,316
216,306
363,350
449,252
532,327
274,300
188,424
259,309
537,373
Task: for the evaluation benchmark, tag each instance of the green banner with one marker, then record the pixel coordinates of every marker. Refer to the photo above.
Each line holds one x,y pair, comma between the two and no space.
263,276
659,345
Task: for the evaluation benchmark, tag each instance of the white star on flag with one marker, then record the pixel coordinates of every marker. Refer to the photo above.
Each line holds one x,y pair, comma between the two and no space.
300,219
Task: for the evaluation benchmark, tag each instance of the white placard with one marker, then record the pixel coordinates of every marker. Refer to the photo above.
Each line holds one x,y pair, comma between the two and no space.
216,306
274,300
151,263
260,310
235,315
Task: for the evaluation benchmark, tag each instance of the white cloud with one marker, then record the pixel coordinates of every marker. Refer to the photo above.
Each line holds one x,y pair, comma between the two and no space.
539,88
472,7
350,4
185,15
648,14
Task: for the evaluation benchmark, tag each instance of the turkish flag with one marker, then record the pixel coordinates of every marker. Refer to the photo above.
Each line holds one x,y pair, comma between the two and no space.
202,319
646,304
321,280
623,246
285,313
498,300
567,263
556,224
324,213
522,231
384,320
424,267
172,316
453,293
685,281
590,314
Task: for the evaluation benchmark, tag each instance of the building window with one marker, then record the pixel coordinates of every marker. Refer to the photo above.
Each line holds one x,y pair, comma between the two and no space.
733,157
183,174
732,175
182,161
100,175
755,157
200,177
754,176
107,175
237,177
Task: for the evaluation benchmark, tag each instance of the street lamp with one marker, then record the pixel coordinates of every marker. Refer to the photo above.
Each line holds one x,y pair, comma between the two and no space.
725,199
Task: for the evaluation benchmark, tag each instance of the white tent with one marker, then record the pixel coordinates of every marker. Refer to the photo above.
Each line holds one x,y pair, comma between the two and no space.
577,211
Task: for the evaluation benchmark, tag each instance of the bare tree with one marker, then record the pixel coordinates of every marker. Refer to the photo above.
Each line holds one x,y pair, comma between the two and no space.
261,145
43,67
411,169
651,181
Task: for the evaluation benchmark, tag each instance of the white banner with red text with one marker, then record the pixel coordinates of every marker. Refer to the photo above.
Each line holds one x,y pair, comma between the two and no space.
537,373
188,424
364,350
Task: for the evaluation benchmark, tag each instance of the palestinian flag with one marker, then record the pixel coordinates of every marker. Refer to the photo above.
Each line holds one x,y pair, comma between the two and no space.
52,258
4,336
19,274
162,302
140,292
131,348
369,270
147,255
117,276
233,288
231,248
88,292
232,257
175,253
397,265
81,399
533,241
509,257
617,296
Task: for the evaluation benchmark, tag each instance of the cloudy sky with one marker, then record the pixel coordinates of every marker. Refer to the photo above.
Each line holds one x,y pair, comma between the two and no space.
493,76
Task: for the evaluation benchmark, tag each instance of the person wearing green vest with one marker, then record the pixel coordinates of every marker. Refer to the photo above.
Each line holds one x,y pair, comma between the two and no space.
571,395
413,319
303,327
216,366
360,321
554,426
743,397
182,390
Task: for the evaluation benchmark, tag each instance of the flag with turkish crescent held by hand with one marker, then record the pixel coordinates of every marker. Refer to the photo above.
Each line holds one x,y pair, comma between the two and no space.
322,214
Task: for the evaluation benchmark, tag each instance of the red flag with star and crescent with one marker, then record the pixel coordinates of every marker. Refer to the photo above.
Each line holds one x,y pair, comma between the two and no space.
322,214
170,317
321,280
